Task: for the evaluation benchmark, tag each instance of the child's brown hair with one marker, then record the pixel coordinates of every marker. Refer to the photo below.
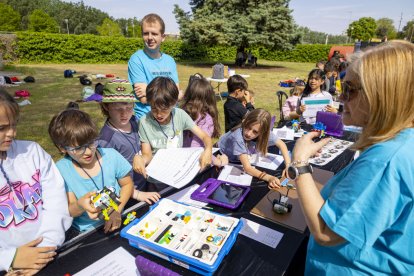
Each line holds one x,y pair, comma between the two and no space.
72,127
162,93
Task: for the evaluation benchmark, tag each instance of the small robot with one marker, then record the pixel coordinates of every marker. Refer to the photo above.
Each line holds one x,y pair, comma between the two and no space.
295,125
281,205
106,200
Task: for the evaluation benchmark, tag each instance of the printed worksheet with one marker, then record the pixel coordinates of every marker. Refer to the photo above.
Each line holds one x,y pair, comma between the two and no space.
270,161
284,133
118,262
235,174
184,196
175,166
260,233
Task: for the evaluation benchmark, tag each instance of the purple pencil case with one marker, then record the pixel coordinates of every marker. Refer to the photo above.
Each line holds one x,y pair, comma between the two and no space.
149,268
221,193
332,121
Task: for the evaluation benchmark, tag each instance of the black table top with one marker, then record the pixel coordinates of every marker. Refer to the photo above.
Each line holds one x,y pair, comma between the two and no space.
247,257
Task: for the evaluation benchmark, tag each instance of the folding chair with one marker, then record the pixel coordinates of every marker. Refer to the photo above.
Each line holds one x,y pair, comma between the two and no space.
280,95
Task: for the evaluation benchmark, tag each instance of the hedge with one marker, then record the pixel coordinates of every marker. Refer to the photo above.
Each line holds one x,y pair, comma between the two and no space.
33,47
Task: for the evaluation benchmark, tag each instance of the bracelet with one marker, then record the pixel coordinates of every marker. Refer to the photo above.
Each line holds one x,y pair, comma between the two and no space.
262,175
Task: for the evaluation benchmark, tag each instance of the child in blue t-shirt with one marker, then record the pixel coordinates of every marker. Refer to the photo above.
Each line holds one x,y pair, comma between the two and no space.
120,130
87,169
252,136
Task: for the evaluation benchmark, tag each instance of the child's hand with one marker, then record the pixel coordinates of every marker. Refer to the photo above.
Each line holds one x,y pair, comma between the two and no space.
85,203
247,96
148,197
138,165
113,223
274,182
330,108
221,160
30,257
205,159
302,108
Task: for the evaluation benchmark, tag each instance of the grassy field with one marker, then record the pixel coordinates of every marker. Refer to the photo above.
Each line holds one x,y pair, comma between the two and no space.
51,91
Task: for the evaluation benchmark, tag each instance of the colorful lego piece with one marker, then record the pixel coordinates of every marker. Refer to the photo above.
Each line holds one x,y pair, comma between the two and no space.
130,217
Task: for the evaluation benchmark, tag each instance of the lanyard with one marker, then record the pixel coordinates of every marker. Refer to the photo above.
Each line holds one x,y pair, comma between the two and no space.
126,137
172,120
17,201
102,175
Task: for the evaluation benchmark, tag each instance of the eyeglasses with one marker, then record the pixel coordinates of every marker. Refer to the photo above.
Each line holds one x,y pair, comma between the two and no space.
80,150
348,90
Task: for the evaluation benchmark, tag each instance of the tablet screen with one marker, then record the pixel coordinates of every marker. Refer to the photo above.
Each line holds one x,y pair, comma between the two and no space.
227,193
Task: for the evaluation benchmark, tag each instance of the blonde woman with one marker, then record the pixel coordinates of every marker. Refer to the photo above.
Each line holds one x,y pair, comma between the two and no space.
362,220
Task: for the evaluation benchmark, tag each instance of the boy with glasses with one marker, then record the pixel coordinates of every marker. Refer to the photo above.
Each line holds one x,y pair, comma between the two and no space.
87,169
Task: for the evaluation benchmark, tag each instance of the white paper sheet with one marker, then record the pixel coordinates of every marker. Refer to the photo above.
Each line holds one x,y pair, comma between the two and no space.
235,174
260,233
184,196
315,104
284,133
176,166
118,262
270,161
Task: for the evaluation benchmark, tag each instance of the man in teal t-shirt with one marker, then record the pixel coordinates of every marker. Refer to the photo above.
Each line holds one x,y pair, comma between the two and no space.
145,65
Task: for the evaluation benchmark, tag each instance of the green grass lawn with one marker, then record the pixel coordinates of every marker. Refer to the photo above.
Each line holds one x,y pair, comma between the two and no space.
51,91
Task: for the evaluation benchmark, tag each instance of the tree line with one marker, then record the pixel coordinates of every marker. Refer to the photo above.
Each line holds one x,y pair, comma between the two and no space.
240,23
55,16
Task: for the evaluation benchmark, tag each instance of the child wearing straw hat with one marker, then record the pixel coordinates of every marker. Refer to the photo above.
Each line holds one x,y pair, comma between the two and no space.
120,130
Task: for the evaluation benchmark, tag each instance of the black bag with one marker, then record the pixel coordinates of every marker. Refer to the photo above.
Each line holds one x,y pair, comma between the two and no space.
68,73
85,80
218,71
8,80
29,79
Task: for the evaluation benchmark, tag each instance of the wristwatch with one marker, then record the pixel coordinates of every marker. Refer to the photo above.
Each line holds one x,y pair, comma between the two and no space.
294,171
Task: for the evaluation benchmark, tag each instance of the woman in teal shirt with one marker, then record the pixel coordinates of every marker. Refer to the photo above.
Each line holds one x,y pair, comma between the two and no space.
362,222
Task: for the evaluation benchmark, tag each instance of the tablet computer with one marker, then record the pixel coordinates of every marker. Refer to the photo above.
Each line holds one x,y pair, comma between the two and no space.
221,193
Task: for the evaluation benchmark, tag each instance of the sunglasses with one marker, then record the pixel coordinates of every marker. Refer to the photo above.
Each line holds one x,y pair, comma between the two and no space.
348,90
80,150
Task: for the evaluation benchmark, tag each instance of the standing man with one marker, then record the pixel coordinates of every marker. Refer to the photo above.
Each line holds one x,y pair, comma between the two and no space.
145,65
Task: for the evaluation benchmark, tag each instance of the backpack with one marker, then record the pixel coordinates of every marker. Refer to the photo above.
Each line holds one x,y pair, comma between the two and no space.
8,80
68,73
22,94
29,79
218,71
2,80
85,80
14,79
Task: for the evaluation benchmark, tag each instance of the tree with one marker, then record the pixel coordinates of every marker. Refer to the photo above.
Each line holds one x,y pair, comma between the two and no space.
109,28
39,21
240,23
407,32
9,18
385,27
130,27
363,29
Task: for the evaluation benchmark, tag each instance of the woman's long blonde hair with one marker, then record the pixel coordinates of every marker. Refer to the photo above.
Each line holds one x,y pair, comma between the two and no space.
386,74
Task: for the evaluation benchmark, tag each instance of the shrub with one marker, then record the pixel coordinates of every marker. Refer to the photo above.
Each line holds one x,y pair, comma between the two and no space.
63,48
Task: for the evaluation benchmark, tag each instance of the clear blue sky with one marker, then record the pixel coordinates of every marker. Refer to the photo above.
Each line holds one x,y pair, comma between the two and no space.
329,16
